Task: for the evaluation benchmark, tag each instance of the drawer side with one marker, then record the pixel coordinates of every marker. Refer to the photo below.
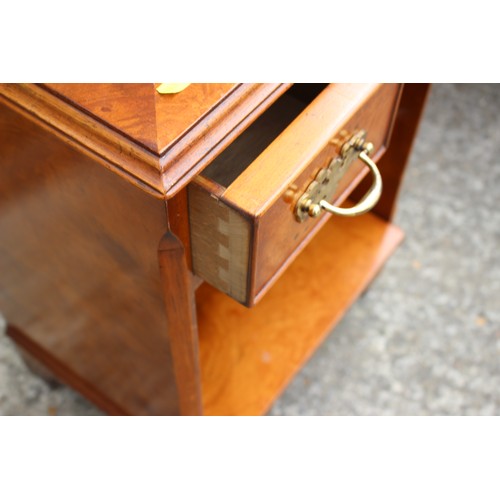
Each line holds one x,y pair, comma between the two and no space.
220,239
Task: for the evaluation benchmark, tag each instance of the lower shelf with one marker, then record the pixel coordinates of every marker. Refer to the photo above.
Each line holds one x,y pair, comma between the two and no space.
248,356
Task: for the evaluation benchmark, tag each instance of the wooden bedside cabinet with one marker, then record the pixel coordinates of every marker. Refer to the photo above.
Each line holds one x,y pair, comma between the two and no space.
176,254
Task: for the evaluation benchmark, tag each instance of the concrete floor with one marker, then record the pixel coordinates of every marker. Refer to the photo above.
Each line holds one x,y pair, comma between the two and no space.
425,338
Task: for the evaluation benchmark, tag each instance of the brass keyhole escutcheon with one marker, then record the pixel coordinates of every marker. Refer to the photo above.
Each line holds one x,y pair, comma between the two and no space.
323,187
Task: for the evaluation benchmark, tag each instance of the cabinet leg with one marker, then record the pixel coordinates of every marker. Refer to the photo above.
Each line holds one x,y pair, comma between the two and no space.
180,306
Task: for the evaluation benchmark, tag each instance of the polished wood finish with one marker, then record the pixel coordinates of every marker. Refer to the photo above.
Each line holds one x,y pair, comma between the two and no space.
179,226
123,143
249,355
178,293
95,241
140,112
258,205
79,271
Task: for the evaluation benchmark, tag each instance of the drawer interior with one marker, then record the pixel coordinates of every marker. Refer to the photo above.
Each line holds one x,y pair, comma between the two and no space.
261,133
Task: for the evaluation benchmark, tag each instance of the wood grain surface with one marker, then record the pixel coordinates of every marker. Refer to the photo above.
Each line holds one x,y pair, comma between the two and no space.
233,161
266,192
249,355
94,278
79,272
117,125
178,294
140,112
280,235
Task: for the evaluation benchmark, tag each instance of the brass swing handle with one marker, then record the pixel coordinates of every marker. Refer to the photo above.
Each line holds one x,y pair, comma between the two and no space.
313,201
369,200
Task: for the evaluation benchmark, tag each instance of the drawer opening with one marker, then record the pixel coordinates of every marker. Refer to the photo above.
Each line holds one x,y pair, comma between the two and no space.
261,133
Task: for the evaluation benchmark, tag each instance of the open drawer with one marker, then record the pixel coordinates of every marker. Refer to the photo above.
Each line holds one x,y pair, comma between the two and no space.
243,207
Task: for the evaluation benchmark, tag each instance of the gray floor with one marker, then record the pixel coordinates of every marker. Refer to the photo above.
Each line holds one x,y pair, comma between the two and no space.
425,338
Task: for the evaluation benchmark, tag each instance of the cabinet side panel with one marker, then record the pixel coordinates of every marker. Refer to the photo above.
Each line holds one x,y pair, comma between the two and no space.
79,268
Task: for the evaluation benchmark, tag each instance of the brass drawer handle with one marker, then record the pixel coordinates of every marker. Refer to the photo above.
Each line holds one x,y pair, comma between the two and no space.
369,200
323,187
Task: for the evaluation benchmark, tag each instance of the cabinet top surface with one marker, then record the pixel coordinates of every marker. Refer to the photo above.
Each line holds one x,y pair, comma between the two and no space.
139,112
157,141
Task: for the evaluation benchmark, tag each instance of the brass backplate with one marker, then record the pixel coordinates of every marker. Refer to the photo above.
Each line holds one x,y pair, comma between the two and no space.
325,184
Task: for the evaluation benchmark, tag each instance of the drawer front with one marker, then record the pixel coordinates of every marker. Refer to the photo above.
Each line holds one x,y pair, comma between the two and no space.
244,234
